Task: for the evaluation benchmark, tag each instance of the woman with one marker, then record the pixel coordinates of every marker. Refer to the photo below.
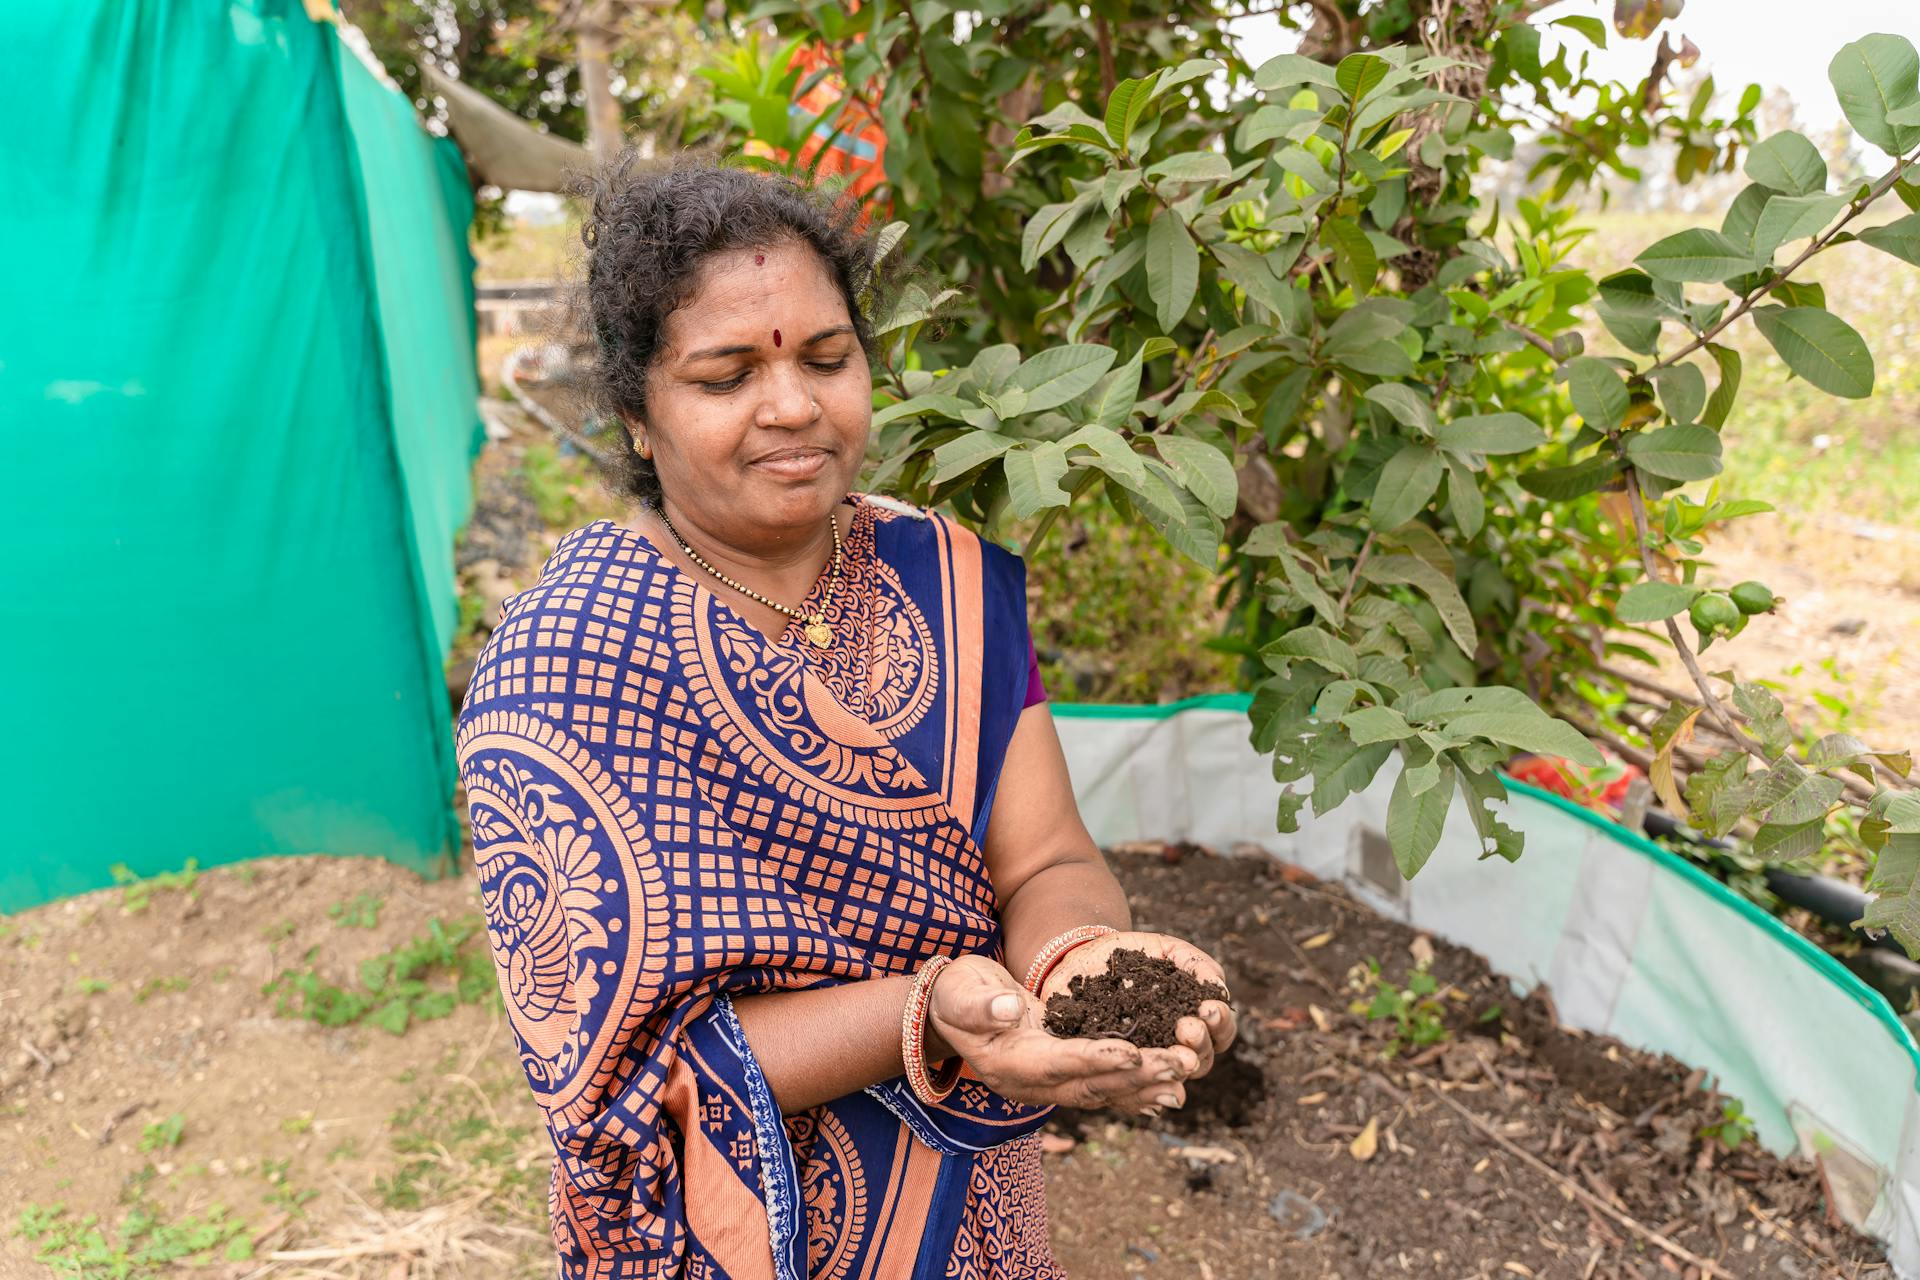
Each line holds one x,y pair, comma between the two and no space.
769,820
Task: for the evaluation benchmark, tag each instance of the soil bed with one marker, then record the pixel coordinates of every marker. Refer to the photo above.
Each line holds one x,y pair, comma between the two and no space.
1139,998
1310,1153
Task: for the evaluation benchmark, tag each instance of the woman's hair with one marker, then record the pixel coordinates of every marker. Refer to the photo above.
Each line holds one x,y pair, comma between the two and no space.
647,232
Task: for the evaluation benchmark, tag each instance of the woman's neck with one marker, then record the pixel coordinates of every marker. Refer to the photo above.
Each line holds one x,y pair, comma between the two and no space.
782,567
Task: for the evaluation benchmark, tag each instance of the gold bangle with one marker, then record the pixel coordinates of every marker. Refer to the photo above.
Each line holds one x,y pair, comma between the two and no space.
928,1087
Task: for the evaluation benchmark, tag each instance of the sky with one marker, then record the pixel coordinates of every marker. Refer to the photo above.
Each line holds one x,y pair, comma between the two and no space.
1781,44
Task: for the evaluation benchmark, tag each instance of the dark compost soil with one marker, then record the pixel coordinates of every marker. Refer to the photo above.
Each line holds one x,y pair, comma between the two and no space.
1139,998
1310,1152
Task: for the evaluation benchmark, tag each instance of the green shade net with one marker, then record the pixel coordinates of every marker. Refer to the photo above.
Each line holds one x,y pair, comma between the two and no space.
237,403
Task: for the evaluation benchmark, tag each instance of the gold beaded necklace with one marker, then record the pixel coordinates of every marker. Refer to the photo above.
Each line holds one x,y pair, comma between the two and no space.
816,628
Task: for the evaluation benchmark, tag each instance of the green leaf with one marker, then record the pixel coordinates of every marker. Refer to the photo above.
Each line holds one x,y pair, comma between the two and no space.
1676,453
1592,28
1361,326
1254,272
1873,77
1901,238
1438,587
1464,498
1177,515
1191,166
1114,404
1492,433
994,365
1360,74
1114,457
1695,254
1408,407
1683,391
1206,472
1125,106
1033,479
1777,842
1050,224
1191,69
1414,822
1598,391
963,453
1788,218
1270,122
1655,601
1315,645
1480,791
1354,254
933,404
1895,882
1173,268
1291,69
1720,403
1351,769
1820,347
1407,483
1563,484
1376,724
1536,731
1788,163
1058,374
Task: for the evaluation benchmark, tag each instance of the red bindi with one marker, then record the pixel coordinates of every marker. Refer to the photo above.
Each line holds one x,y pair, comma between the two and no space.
776,337
759,259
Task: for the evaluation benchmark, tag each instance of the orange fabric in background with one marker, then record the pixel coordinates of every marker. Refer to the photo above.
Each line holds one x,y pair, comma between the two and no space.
859,145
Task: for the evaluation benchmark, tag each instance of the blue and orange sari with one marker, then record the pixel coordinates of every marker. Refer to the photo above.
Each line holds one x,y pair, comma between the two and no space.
670,810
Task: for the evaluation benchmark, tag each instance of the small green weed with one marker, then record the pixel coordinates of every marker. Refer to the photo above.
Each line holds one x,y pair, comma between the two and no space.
163,1134
136,892
1734,1127
1414,1010
159,986
144,1246
91,986
446,1136
362,913
297,1125
407,984
278,930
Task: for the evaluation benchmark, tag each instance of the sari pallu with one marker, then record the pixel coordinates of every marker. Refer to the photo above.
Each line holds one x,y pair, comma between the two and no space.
669,810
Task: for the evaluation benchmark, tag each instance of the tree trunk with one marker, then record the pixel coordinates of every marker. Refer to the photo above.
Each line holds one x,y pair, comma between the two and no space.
596,82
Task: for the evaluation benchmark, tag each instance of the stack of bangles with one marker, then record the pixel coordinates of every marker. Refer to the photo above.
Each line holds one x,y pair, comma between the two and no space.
931,1086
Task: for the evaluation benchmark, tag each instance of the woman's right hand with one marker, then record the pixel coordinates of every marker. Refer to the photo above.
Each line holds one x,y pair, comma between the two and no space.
980,1012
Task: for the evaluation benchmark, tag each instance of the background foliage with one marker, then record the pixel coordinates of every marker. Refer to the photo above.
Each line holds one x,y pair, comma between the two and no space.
1268,313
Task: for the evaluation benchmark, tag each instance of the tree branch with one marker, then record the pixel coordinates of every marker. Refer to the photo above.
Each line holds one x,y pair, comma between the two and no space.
1347,596
1710,699
1173,388
1818,243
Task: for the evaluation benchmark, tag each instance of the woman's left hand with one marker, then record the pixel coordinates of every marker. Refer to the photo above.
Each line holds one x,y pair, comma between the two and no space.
1206,1035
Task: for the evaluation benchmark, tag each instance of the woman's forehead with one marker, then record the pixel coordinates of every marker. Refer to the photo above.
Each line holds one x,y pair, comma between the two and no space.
743,283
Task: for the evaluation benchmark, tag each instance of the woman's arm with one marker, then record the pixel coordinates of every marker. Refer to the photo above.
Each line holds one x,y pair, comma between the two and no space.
818,1045
1046,870
1050,877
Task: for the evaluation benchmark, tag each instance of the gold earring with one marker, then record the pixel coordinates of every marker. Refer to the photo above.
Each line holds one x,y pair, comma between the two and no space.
646,450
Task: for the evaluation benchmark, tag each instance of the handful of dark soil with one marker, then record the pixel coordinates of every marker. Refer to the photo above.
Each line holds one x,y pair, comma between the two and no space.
1139,998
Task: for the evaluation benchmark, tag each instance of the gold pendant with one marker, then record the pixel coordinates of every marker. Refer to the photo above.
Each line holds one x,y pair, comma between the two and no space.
819,632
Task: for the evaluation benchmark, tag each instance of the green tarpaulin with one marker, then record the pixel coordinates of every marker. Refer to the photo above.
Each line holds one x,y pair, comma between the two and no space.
238,404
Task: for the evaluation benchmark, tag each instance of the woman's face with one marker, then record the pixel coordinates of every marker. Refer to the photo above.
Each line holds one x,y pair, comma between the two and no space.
759,402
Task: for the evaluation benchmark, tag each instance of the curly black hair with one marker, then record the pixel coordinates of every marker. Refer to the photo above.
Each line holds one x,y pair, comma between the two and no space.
647,231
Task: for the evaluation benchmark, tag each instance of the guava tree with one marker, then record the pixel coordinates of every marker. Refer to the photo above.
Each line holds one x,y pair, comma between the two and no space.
1263,310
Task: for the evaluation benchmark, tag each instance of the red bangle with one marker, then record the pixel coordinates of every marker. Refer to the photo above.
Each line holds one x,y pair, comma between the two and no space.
1056,950
928,1087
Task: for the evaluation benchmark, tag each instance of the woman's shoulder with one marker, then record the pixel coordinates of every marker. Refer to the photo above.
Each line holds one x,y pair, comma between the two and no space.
600,553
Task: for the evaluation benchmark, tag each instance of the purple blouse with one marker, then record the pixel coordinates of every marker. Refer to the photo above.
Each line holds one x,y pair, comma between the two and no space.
1036,691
